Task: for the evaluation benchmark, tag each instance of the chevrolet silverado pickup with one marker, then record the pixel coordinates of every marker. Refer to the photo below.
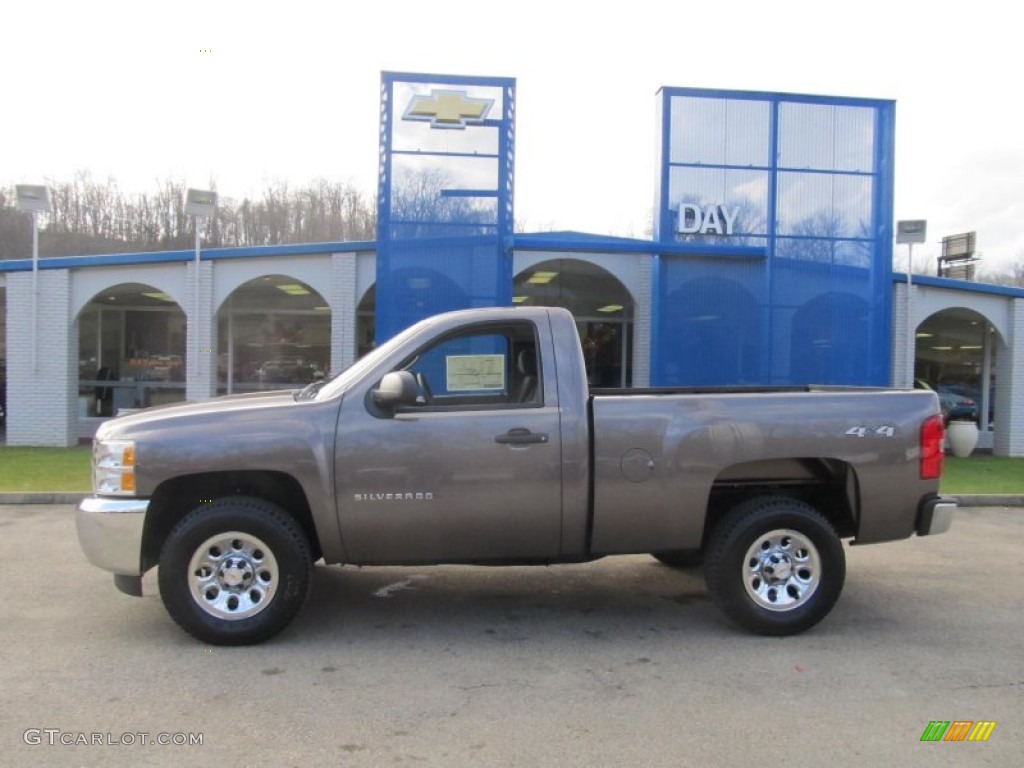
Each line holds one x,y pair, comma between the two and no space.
473,438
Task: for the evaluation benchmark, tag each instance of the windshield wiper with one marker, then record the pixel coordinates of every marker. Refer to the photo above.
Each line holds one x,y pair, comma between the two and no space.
309,391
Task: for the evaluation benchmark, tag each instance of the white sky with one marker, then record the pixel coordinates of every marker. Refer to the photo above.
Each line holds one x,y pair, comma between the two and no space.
290,90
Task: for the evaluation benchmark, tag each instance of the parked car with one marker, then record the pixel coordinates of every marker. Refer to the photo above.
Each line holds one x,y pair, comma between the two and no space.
955,406
974,393
288,370
960,407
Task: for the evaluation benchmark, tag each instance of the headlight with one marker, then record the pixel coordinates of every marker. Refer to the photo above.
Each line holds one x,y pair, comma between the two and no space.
113,467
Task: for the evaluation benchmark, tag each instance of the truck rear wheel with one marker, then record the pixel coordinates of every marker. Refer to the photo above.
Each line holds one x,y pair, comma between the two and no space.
775,566
235,571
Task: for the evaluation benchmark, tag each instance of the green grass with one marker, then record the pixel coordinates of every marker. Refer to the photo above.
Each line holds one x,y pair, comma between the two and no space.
983,474
26,470
67,469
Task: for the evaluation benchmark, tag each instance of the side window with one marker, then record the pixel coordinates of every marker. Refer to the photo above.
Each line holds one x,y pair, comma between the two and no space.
485,366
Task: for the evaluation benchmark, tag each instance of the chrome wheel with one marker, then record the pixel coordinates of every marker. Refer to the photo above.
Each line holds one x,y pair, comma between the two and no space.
235,570
782,570
233,575
775,565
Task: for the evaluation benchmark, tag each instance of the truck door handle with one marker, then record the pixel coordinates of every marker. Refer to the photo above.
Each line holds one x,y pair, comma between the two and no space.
521,436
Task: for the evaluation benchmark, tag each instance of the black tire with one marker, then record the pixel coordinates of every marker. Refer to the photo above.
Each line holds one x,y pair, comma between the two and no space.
235,571
775,566
682,559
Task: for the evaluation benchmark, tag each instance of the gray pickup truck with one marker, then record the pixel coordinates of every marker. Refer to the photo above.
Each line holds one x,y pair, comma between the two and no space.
472,437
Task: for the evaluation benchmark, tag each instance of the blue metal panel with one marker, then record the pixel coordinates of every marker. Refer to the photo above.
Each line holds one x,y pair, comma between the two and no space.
885,165
444,196
710,312
808,178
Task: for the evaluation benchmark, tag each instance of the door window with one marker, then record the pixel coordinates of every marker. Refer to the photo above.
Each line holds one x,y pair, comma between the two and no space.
489,366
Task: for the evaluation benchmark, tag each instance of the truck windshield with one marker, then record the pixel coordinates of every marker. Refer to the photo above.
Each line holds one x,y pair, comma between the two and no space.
354,372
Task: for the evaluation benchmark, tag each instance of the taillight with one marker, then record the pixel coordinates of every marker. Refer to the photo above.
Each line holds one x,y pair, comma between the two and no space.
933,434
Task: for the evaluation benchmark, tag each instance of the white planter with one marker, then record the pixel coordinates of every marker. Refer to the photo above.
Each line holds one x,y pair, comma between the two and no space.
963,437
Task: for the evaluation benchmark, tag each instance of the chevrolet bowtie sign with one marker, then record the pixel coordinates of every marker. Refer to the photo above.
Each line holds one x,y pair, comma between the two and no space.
448,109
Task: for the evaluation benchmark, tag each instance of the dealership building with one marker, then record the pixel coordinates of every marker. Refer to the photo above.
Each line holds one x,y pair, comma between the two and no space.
770,265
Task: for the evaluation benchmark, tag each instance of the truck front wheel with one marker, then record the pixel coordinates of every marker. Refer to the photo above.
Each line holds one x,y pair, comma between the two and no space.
775,566
235,571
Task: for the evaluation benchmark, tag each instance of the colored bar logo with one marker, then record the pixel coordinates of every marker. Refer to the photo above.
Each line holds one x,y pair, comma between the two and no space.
958,730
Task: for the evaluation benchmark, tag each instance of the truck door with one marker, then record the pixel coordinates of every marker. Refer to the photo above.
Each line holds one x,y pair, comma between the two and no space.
472,470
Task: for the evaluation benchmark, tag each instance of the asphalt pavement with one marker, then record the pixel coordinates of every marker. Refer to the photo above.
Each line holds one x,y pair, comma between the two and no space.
621,662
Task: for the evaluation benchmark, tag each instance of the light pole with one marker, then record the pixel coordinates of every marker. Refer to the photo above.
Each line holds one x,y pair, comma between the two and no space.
910,232
35,199
200,204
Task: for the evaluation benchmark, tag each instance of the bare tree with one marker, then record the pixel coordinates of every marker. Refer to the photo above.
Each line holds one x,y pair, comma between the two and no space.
1011,276
90,217
15,229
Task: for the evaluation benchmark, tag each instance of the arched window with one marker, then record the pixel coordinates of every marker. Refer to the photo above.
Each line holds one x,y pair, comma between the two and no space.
366,315
131,350
956,355
603,309
273,332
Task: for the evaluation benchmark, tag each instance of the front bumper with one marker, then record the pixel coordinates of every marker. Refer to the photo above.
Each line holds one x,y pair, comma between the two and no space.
935,516
110,532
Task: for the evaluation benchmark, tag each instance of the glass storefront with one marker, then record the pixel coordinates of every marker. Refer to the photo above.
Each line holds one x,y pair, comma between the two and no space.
131,350
366,315
273,332
603,309
956,355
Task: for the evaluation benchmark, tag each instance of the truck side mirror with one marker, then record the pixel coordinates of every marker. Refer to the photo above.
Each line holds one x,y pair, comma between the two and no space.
396,389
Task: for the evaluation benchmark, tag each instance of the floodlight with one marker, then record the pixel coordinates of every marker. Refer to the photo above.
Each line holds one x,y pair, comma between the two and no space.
33,197
911,231
201,202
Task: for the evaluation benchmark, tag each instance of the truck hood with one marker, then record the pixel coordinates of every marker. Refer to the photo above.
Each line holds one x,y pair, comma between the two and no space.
208,411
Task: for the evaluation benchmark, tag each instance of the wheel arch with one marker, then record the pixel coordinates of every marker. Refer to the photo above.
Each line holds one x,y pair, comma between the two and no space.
176,497
831,486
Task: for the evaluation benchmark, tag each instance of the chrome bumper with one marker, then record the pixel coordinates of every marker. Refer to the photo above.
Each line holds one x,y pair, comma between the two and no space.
110,532
936,516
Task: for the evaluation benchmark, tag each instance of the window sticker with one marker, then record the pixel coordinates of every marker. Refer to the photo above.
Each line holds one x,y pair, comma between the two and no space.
472,373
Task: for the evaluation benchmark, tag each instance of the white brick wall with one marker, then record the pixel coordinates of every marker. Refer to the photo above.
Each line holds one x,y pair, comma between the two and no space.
642,320
201,345
899,335
1010,387
343,297
41,398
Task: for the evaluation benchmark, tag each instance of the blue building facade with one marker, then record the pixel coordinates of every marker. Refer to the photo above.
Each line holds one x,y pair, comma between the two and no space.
772,250
774,221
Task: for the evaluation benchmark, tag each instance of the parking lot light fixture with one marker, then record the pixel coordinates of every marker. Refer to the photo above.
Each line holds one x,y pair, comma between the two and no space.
200,204
35,199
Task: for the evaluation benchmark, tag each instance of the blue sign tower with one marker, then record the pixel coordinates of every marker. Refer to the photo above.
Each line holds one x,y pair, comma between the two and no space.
445,189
